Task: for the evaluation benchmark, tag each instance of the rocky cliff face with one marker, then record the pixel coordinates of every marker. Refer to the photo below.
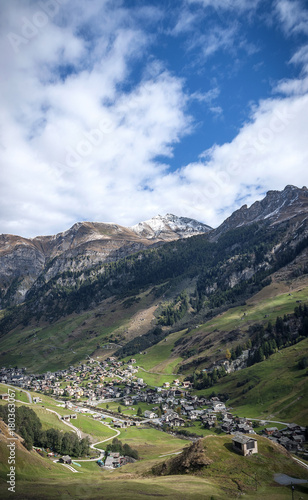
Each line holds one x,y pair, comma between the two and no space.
276,207
81,247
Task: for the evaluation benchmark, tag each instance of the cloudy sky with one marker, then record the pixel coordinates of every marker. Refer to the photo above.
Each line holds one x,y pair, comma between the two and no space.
124,109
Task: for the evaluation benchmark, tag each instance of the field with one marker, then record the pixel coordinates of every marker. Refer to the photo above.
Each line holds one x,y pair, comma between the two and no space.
263,307
158,364
229,476
19,394
96,430
278,389
151,443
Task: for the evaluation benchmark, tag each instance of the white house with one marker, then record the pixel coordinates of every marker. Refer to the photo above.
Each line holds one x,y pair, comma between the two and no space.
149,414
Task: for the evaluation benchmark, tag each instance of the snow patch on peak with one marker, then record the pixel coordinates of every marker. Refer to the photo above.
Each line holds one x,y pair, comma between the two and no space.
164,226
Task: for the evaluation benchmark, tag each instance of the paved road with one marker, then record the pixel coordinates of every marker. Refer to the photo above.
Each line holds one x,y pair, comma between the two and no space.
287,480
67,423
23,390
266,420
102,452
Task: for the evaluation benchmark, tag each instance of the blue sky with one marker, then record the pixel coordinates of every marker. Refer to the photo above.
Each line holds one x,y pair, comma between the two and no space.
120,110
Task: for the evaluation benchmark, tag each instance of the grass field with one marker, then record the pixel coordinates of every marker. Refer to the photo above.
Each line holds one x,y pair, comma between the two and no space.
155,359
97,430
151,443
158,365
19,394
229,476
126,410
279,390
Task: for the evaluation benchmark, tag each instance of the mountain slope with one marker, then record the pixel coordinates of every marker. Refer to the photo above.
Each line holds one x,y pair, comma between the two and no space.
83,246
64,300
276,208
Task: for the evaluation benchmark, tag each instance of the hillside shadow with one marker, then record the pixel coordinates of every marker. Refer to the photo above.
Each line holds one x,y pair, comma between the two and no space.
229,447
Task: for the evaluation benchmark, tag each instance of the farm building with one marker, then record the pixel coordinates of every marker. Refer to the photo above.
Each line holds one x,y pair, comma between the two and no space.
244,444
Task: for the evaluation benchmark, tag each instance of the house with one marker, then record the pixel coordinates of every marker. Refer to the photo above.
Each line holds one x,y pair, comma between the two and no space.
97,416
177,422
245,429
109,462
227,425
118,423
270,430
149,414
244,445
4,396
219,406
66,459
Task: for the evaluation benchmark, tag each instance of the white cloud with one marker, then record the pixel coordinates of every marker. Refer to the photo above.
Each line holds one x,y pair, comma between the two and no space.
301,57
218,38
225,5
82,137
293,16
80,145
268,153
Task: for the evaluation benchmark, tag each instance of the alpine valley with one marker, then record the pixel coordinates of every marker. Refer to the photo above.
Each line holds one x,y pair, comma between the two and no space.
176,317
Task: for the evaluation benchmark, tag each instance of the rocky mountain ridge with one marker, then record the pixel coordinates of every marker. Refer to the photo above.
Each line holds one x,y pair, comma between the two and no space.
83,246
29,263
164,227
276,207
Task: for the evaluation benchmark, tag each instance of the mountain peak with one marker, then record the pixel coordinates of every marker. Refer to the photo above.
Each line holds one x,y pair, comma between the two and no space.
169,226
275,207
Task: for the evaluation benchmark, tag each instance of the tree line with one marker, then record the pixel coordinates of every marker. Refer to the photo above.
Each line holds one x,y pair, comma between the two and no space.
29,427
124,449
263,342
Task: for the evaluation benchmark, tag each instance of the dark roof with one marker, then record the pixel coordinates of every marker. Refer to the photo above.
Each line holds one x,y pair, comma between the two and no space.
241,438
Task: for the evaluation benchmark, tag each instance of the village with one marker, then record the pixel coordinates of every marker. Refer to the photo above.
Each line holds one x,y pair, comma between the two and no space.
90,386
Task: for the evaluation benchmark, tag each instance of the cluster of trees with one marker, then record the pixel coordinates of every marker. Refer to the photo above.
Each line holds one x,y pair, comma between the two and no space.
29,427
286,331
174,312
263,342
204,379
124,449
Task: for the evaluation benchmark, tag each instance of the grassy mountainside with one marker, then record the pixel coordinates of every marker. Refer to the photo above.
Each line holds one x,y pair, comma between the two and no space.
275,389
228,476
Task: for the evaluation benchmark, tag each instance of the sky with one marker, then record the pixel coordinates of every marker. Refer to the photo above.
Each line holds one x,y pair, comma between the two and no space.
117,111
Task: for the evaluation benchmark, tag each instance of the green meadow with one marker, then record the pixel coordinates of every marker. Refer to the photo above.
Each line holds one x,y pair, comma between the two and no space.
274,388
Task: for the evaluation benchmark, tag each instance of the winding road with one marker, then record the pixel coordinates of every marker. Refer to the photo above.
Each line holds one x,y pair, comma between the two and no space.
19,389
78,432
